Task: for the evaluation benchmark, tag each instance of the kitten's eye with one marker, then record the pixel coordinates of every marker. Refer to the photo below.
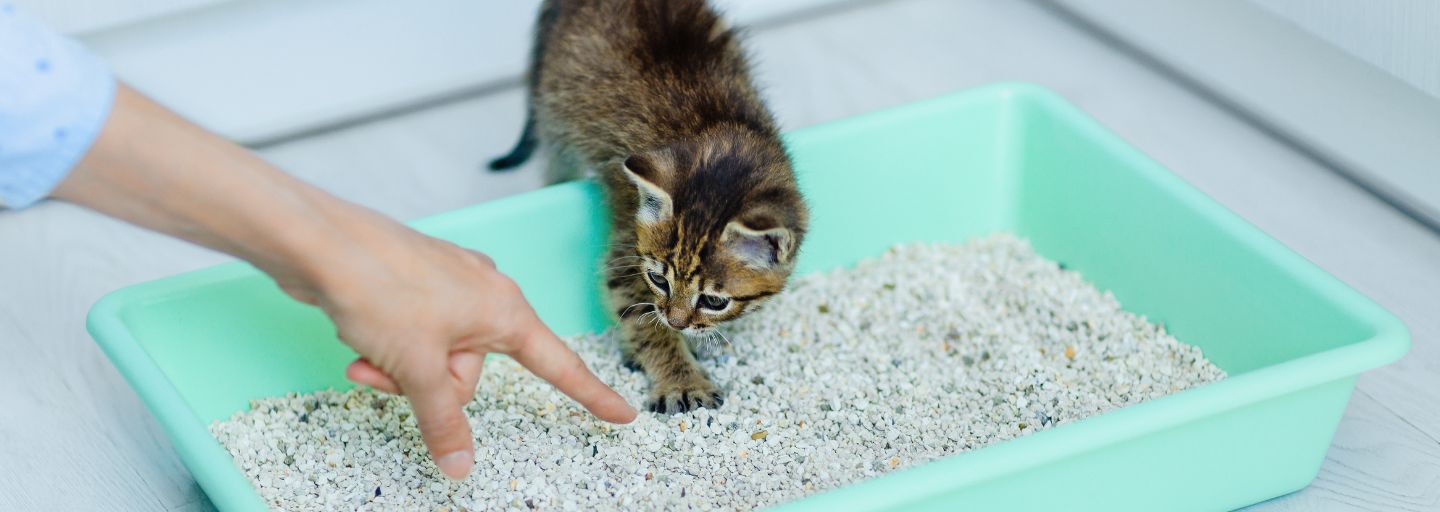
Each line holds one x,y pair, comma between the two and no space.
713,302
659,281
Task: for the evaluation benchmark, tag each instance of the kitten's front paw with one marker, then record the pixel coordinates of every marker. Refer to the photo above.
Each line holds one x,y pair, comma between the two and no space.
670,398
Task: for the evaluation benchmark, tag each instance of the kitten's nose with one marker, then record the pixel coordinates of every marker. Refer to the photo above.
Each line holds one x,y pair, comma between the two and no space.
676,321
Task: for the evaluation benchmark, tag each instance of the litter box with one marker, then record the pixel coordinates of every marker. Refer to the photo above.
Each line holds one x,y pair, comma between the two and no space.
198,346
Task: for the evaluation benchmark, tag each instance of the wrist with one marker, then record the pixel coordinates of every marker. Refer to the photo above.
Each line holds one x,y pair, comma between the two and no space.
154,169
309,243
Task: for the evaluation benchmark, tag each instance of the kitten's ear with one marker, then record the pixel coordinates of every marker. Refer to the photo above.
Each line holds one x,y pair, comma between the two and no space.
763,248
655,204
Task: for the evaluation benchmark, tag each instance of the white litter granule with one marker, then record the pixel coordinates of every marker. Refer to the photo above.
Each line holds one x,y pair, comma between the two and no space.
927,351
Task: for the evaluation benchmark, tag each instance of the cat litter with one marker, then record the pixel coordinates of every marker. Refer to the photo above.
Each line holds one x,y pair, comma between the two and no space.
926,351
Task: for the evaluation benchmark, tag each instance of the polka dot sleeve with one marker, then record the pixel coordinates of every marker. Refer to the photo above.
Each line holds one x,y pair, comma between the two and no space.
54,97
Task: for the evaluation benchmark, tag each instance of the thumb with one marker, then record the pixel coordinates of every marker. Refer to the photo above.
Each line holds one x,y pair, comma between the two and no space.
442,422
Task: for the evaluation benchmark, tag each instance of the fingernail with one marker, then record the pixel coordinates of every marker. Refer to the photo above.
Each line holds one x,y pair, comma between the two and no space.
456,464
622,423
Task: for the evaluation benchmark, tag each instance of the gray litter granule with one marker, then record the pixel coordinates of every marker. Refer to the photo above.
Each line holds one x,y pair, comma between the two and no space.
926,351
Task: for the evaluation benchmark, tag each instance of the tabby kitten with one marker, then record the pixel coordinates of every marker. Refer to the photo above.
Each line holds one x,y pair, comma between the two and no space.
656,97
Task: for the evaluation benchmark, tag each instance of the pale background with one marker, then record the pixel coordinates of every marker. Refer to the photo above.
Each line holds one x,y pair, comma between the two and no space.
403,125
1401,37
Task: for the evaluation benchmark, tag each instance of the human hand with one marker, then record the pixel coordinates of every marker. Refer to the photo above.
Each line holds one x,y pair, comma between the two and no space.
423,313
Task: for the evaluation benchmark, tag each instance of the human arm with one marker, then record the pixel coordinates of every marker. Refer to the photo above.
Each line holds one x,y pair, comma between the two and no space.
420,311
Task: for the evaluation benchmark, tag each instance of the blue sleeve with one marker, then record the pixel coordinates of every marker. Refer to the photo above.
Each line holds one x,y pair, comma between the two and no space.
54,97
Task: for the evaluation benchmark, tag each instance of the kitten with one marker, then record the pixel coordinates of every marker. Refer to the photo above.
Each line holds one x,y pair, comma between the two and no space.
656,97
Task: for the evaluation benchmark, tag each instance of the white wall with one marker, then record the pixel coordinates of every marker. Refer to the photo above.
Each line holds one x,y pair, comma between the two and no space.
75,16
1401,37
264,70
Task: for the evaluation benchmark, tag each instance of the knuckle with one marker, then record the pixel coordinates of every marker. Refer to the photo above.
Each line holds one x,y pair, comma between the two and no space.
484,259
504,285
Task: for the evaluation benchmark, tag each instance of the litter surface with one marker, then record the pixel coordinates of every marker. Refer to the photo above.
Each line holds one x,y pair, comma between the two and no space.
924,352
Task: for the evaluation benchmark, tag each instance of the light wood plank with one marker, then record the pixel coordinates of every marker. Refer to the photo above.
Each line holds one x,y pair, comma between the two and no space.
1377,462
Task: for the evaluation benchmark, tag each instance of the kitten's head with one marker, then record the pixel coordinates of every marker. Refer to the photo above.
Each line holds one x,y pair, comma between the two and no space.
718,223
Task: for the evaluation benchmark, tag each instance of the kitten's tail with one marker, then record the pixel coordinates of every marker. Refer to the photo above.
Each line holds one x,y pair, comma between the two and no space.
549,12
523,148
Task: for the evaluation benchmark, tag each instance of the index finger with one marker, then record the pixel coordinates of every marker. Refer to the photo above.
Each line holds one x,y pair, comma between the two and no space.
548,358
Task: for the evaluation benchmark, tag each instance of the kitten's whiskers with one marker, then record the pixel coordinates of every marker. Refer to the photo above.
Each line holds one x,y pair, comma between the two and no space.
632,306
654,319
618,267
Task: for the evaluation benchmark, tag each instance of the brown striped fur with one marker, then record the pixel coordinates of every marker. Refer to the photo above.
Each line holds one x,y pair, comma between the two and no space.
655,96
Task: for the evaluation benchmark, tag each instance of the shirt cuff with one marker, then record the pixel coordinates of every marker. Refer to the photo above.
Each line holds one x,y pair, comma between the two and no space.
57,98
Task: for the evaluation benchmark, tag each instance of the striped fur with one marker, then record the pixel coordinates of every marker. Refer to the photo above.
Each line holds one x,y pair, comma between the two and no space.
655,96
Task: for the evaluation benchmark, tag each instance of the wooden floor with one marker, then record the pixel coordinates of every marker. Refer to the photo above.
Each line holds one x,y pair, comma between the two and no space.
73,436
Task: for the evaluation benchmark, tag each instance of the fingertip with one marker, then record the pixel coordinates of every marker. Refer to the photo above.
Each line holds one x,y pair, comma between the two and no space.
628,416
356,370
614,409
456,465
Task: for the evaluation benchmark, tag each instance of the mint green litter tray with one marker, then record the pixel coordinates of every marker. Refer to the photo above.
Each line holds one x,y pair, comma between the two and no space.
199,346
